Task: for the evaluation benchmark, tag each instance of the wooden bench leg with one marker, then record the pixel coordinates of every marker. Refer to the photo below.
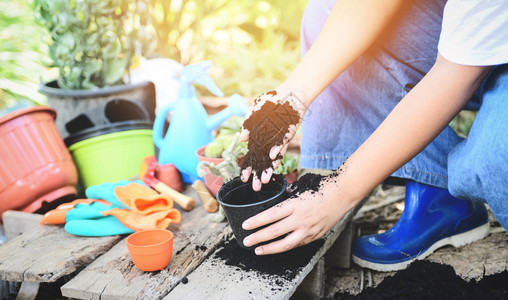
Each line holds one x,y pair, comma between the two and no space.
313,286
339,254
28,291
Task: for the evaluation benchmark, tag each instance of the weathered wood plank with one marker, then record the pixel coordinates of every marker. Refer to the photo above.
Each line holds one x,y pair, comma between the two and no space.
213,279
114,276
18,222
47,253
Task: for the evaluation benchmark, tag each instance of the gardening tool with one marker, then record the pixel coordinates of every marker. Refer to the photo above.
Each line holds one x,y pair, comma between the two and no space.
170,175
57,215
211,205
149,209
190,126
147,175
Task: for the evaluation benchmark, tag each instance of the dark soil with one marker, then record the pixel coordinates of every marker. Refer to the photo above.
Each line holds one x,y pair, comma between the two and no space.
428,280
308,182
267,128
285,265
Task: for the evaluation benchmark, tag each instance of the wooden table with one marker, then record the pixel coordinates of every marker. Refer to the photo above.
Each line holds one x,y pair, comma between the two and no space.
47,253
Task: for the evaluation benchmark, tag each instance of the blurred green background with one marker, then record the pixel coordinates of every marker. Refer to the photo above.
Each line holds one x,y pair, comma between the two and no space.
254,45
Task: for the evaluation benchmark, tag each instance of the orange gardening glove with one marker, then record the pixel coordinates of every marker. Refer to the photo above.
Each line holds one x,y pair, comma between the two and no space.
138,222
150,209
142,199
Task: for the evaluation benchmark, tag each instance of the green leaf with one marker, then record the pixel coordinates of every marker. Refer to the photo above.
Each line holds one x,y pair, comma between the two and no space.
114,70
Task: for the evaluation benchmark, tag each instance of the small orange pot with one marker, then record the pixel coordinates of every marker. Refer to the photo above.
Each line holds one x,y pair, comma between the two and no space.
35,165
151,250
212,181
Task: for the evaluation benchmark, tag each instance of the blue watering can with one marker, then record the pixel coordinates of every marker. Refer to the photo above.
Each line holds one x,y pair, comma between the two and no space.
190,126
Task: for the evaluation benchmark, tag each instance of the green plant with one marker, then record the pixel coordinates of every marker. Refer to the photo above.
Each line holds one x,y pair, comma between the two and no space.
462,123
288,164
254,44
20,54
229,168
225,137
91,42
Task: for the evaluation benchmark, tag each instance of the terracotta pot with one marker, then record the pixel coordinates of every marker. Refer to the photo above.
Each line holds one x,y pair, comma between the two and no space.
292,177
151,250
213,182
35,165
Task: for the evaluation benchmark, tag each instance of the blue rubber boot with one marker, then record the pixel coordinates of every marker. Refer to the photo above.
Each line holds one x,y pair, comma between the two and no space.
432,218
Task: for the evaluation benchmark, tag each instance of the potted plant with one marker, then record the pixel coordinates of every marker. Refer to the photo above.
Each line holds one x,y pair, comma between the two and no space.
288,167
239,202
214,154
218,170
218,151
91,43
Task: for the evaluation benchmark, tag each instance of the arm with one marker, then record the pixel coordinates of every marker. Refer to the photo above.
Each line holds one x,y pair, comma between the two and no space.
413,123
351,28
409,128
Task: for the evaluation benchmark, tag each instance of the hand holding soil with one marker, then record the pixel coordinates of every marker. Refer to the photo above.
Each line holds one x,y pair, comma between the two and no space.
270,124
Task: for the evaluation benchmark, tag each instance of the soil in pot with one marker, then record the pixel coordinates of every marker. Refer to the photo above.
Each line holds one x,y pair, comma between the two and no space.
241,202
275,267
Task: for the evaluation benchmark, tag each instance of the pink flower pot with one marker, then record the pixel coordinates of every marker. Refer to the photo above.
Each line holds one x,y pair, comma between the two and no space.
213,182
35,165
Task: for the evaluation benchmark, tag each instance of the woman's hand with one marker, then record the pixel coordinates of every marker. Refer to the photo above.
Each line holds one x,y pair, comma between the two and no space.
269,126
306,218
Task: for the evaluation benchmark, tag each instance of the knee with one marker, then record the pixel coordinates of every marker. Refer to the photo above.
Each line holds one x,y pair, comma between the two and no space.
475,174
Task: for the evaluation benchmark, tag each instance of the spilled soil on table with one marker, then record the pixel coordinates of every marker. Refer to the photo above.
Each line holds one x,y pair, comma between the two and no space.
428,280
285,265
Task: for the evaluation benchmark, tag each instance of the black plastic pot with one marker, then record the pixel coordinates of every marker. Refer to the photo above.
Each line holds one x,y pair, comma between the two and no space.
111,113
241,202
71,103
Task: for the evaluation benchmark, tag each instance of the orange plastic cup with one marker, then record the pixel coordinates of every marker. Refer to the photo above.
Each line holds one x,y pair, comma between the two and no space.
151,250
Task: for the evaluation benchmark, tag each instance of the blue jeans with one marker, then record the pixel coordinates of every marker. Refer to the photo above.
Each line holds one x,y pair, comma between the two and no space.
361,97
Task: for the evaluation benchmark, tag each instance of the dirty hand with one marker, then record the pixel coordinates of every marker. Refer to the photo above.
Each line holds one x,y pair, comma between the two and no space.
270,124
306,218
